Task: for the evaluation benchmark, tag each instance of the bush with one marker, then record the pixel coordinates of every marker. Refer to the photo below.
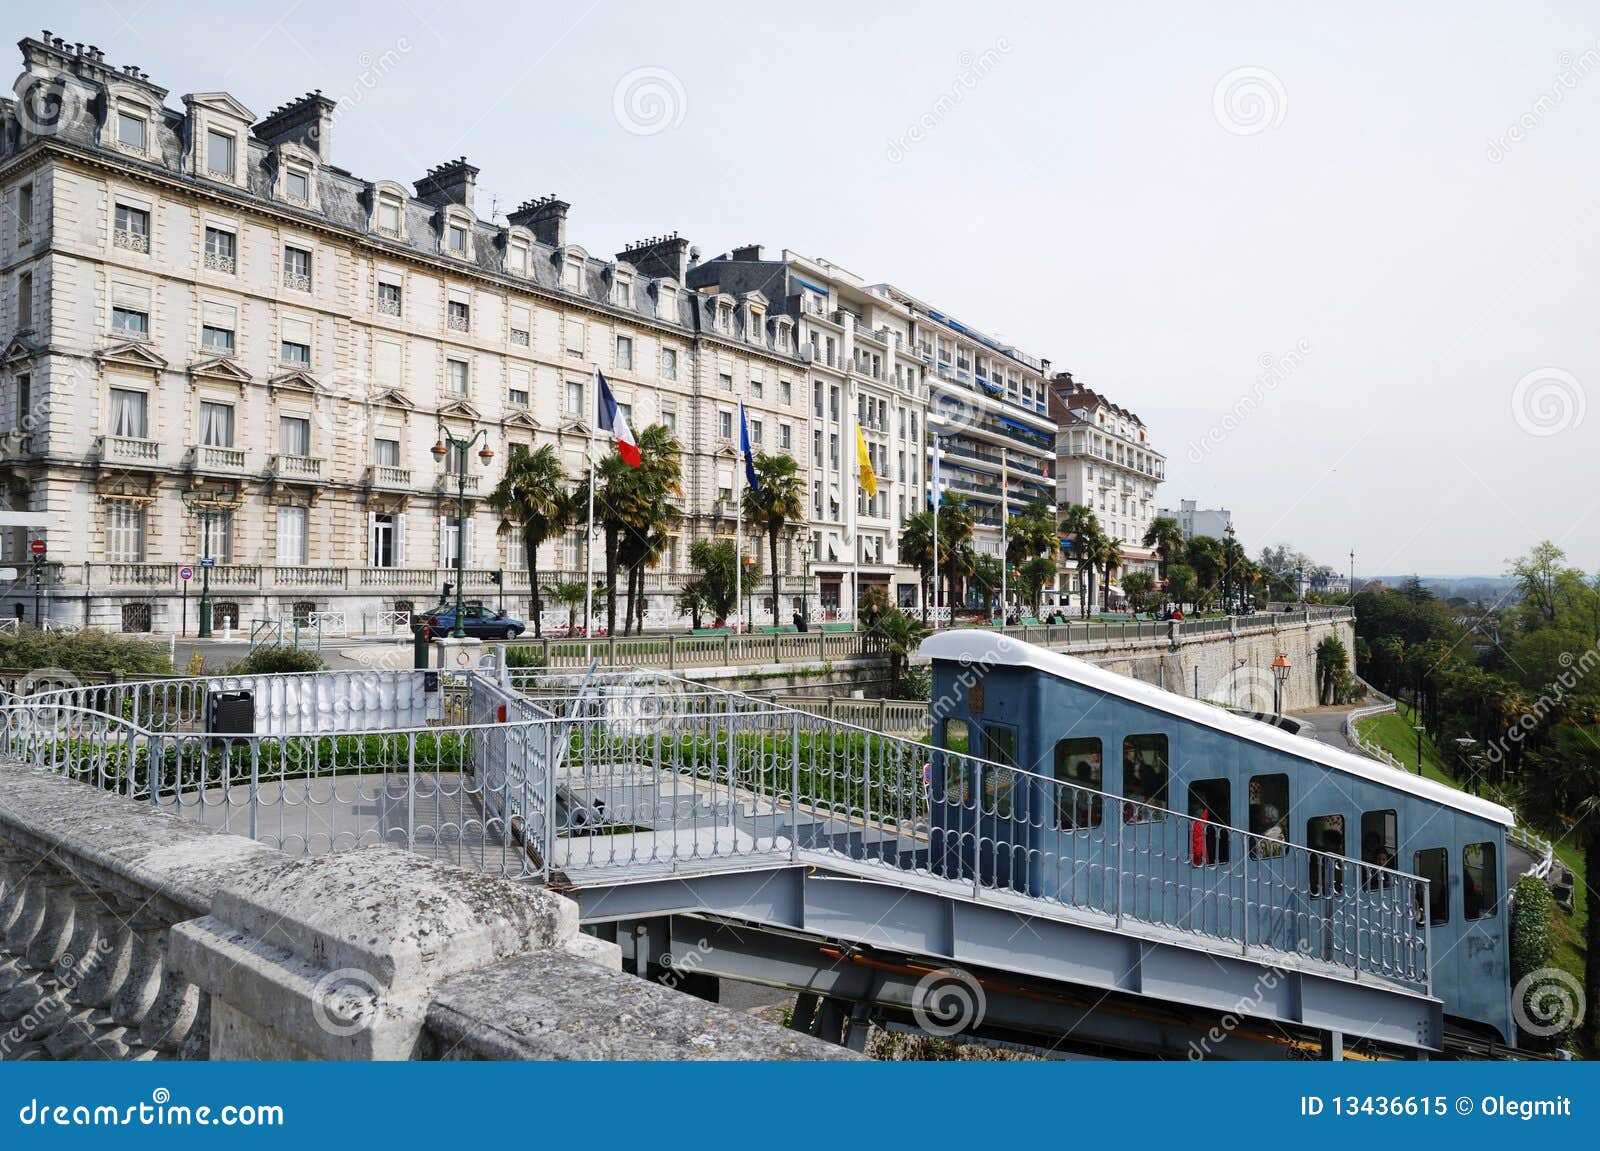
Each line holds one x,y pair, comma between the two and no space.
523,655
1530,927
276,661
84,653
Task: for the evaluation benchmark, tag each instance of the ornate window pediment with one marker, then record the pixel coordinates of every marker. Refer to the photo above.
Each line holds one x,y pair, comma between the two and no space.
521,420
386,208
219,368
296,382
132,354
459,409
391,398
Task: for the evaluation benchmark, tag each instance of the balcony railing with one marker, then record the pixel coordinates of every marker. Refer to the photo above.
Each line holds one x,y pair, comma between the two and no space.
448,484
218,262
388,307
126,449
132,241
456,323
297,281
390,476
298,467
212,456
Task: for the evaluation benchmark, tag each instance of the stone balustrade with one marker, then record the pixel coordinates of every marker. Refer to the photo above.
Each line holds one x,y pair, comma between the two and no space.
128,933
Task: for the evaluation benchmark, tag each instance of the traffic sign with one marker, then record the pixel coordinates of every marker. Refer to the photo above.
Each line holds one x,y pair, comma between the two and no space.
208,562
186,574
36,547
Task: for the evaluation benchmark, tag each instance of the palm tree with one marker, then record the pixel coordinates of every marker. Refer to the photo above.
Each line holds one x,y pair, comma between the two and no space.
1082,527
956,562
1030,537
534,498
716,562
1110,557
901,636
630,501
571,595
637,551
986,578
916,549
777,501
1204,555
1166,537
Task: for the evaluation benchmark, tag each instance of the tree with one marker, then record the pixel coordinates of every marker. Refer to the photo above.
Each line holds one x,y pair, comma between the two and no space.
571,594
534,498
1204,555
1141,588
901,635
1166,537
1333,670
1082,530
692,601
986,578
632,500
777,502
1539,577
1031,536
916,549
1181,584
1110,559
956,559
715,561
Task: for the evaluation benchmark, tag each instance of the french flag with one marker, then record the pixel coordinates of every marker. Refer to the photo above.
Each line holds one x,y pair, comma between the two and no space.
612,419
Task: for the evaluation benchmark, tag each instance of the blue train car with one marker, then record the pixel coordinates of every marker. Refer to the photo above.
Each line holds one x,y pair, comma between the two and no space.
1124,800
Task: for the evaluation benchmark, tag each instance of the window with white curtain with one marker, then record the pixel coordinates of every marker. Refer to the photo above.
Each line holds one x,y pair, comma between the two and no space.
294,435
292,537
130,414
124,532
216,424
386,453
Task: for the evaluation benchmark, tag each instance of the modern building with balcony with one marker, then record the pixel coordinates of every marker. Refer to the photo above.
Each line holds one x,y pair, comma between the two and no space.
1104,461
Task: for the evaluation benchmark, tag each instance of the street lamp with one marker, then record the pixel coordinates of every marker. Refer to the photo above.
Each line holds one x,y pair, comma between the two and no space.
441,448
1419,729
1280,679
1230,540
207,507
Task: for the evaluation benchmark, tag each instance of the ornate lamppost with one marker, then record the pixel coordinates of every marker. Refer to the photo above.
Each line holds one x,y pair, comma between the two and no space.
445,443
207,507
1280,680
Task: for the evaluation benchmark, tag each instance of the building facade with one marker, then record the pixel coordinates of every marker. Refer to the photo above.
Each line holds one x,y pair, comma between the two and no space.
1105,462
216,343
1197,521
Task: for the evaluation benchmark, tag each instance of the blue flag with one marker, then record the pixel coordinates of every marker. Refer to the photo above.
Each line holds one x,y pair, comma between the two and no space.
749,456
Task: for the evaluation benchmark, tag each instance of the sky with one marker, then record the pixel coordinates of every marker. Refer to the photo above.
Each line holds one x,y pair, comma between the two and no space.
1340,259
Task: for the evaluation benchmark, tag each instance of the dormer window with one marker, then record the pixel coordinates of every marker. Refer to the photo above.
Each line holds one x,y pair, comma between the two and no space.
456,239
724,316
667,302
622,292
388,215
133,128
517,258
297,185
572,275
219,153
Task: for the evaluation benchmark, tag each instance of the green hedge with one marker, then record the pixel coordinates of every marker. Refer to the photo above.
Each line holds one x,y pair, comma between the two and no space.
84,653
1530,927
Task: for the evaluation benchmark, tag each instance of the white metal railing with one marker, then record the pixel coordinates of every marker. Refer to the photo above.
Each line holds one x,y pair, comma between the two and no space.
327,622
681,778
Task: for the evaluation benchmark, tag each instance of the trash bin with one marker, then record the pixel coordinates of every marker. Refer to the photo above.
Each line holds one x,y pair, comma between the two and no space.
230,713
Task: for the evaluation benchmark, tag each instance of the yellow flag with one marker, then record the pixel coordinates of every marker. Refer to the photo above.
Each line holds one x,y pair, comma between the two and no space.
869,478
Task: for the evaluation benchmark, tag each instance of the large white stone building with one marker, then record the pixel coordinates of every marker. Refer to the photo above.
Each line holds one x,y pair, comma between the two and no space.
1105,462
199,308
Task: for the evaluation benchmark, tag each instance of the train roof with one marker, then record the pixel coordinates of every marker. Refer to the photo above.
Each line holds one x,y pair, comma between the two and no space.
993,648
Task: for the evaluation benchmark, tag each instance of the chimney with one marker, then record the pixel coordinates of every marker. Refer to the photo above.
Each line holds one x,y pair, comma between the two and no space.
307,121
659,256
546,218
748,253
450,183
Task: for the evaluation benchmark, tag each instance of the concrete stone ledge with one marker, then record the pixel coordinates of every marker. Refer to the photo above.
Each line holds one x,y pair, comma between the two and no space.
553,1005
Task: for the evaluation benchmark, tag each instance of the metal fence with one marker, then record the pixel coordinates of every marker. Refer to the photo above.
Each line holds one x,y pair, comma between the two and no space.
603,776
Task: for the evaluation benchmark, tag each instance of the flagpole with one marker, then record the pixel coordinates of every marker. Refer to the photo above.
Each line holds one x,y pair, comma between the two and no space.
588,547
738,530
855,529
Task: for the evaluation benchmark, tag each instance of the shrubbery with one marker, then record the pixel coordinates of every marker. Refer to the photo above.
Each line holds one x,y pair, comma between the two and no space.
83,653
1530,927
277,661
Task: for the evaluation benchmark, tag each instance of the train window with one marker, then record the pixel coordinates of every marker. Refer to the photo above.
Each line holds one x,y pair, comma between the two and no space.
957,738
1269,815
1480,882
1380,843
1325,833
1144,777
1209,808
1001,744
1433,864
1078,765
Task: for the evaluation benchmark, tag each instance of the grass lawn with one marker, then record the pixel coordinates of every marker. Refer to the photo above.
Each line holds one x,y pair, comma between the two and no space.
1392,732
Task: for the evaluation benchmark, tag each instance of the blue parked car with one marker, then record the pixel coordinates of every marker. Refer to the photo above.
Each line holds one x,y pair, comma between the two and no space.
476,620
